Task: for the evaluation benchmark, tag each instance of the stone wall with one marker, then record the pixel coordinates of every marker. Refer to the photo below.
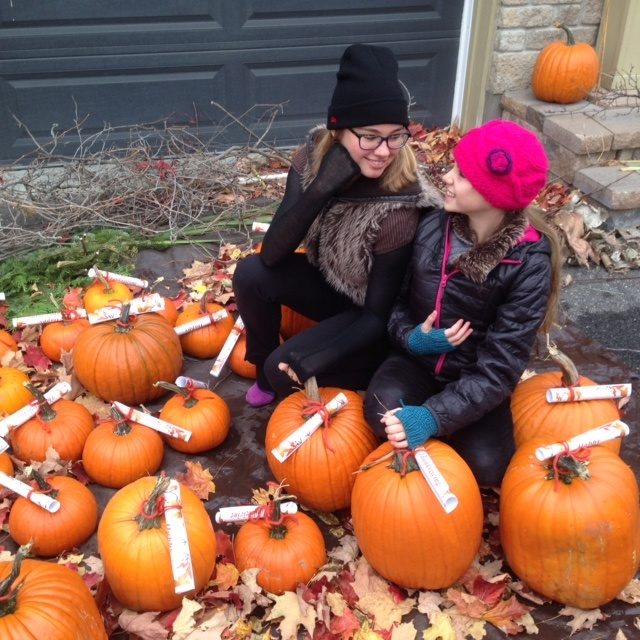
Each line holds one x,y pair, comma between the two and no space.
524,27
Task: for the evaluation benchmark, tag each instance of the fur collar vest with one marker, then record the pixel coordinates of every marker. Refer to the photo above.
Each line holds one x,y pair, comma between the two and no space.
481,259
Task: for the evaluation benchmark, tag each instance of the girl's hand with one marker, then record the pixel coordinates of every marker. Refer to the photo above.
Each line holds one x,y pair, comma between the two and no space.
394,430
283,366
456,334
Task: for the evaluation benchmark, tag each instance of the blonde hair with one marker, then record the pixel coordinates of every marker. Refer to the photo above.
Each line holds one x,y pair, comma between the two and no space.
539,221
402,171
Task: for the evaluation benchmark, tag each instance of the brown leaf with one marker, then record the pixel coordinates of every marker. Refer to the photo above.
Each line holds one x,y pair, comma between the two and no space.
506,615
292,612
199,480
582,618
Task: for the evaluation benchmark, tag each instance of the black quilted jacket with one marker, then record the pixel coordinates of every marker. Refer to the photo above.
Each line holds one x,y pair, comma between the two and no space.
501,287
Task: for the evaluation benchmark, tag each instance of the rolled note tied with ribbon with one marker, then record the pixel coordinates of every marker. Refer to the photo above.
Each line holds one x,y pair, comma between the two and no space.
227,347
26,491
244,512
591,438
151,303
588,392
198,323
46,318
116,277
306,430
185,381
435,480
152,422
179,551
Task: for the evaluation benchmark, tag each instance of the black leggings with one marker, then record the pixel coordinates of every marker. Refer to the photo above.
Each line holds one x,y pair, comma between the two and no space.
260,290
486,445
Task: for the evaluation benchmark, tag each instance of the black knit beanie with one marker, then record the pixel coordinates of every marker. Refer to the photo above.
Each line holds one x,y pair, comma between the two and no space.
367,91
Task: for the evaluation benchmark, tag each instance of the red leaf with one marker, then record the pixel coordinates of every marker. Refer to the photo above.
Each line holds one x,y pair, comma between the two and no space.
225,546
489,592
34,357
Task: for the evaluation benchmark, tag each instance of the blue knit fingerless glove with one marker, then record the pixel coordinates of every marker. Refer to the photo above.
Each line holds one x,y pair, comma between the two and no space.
434,341
419,424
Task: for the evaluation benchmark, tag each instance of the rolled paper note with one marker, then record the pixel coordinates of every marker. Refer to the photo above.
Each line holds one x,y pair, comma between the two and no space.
589,392
227,347
22,489
198,323
28,411
2,298
304,432
185,381
179,551
435,480
150,303
152,422
591,438
4,445
45,318
244,512
116,277
260,227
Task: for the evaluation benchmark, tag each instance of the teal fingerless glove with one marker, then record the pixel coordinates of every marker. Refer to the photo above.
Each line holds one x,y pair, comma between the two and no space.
419,424
423,344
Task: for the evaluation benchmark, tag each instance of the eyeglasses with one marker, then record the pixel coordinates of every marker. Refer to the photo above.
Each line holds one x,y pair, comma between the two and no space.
369,142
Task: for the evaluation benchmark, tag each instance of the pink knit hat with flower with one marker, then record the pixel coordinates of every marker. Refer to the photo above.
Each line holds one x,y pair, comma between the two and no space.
504,162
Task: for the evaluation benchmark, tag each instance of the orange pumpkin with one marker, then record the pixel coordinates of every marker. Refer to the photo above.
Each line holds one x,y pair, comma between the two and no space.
133,545
63,425
13,393
571,531
321,471
118,452
287,549
46,600
534,417
104,293
202,412
58,531
122,360
6,464
170,311
61,336
7,343
237,363
207,341
401,527
565,72
292,322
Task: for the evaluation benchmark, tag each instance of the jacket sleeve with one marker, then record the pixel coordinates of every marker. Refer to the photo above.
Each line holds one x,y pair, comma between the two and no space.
369,323
503,354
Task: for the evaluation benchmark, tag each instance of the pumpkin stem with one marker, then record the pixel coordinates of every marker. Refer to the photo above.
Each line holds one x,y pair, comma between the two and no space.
311,389
45,410
373,463
42,484
570,375
102,280
570,38
403,462
122,427
153,507
9,590
124,322
566,467
208,295
188,392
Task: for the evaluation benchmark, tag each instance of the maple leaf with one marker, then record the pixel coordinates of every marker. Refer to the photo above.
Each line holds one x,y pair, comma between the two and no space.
73,298
185,622
224,546
346,551
144,625
226,576
292,612
404,631
506,615
366,633
631,593
582,618
441,627
34,357
489,593
99,409
345,624
429,602
199,480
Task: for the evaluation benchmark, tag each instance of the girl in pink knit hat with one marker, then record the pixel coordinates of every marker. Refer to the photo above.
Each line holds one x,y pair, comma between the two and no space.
484,278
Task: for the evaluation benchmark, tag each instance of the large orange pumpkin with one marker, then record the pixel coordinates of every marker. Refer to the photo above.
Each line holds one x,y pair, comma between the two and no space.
401,527
119,451
571,532
565,72
63,425
13,393
207,341
43,600
321,471
534,417
288,549
62,530
202,412
122,360
134,547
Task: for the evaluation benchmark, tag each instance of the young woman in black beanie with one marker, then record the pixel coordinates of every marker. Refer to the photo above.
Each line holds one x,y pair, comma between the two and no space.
352,199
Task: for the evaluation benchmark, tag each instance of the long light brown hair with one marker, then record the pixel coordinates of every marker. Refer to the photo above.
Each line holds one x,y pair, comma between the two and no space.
402,172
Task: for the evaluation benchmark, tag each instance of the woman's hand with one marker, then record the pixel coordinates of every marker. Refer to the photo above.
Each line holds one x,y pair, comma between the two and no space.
283,366
456,334
394,429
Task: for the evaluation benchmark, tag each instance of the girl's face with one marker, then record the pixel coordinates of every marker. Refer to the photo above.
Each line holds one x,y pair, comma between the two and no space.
372,162
460,196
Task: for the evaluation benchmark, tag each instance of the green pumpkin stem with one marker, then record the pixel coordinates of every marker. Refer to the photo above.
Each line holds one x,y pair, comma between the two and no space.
403,462
151,513
568,469
106,285
122,427
123,324
570,38
186,392
45,410
278,530
9,590
43,485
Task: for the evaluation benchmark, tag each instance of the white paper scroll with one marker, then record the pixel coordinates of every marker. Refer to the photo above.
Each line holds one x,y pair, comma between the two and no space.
198,323
116,277
152,422
227,347
435,480
591,438
153,302
184,381
45,318
588,392
244,512
179,551
304,432
26,491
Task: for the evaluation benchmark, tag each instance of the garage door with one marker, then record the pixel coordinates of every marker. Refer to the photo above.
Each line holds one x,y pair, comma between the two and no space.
128,62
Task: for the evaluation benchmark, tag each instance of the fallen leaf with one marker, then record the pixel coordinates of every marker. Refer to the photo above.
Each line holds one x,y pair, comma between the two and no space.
292,612
185,622
506,615
199,480
631,593
226,576
581,618
346,551
404,631
441,627
144,625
